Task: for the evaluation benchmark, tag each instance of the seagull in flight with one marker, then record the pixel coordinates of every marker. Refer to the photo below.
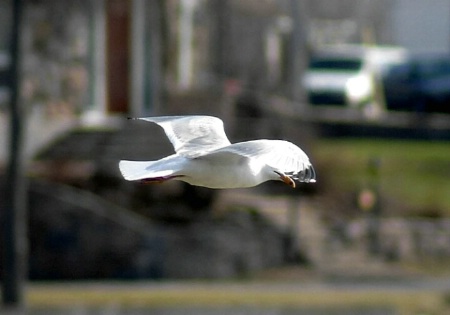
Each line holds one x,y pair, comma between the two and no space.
205,157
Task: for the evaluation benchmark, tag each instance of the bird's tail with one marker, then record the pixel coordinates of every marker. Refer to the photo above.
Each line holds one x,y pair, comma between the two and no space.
139,170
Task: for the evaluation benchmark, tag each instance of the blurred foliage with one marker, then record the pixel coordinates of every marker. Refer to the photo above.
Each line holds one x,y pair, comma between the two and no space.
413,175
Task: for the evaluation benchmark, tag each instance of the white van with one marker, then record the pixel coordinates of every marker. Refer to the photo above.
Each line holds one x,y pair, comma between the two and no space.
348,74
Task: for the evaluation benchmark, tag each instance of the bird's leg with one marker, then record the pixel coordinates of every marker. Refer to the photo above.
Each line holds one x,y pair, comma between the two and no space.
158,180
286,179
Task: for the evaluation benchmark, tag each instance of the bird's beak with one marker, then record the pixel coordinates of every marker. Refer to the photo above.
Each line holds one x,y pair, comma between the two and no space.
286,179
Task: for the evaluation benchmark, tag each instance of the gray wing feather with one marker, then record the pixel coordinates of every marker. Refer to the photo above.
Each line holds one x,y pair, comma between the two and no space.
192,136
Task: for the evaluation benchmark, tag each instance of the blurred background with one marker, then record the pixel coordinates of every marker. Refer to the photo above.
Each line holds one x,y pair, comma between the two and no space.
363,86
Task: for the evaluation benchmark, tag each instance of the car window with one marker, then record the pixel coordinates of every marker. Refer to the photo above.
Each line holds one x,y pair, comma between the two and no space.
337,64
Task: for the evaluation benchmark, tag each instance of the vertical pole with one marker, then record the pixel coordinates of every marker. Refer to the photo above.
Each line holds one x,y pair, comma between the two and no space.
97,69
297,50
185,44
220,44
139,58
154,53
14,219
375,211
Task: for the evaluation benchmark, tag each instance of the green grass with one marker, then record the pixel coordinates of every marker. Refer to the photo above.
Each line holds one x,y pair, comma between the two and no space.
414,173
189,294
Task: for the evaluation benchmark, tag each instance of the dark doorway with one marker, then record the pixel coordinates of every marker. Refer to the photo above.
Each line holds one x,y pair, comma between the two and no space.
117,42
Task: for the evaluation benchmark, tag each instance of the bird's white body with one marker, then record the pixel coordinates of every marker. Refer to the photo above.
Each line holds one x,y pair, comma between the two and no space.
205,157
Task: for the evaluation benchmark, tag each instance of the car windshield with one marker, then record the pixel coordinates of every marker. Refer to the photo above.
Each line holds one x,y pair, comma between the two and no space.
337,64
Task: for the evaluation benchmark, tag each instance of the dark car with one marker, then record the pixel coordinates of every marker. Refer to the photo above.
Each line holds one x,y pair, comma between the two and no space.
422,84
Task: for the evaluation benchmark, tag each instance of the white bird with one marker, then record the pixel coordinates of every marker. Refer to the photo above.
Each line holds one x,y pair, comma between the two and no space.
205,157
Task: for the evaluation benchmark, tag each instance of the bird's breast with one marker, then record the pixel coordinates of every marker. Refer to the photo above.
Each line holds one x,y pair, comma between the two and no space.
233,174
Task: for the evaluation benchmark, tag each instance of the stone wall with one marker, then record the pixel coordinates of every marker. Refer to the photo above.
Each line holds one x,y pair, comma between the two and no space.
75,234
56,55
399,240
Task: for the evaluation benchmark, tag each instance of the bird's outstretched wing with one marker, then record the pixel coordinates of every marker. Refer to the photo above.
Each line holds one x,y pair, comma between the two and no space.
192,136
281,155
